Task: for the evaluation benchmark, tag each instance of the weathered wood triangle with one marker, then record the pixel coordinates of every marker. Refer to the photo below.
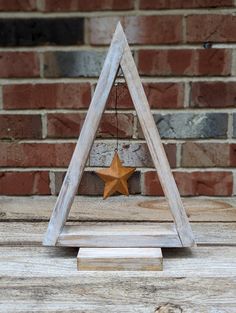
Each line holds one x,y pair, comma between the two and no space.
119,54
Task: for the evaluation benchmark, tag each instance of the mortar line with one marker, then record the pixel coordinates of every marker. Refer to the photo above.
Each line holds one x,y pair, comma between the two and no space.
178,154
44,125
140,169
104,48
41,64
233,66
86,32
46,197
122,140
1,99
118,13
230,126
187,94
184,28
121,111
135,126
40,5
137,5
52,185
234,183
94,80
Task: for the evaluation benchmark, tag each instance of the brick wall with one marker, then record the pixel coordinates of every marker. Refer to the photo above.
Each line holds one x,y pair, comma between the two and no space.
51,53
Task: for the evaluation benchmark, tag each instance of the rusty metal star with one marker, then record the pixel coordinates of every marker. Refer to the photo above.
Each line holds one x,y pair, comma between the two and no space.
115,177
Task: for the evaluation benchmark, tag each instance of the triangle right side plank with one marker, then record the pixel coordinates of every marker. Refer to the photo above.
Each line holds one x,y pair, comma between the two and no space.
156,148
119,54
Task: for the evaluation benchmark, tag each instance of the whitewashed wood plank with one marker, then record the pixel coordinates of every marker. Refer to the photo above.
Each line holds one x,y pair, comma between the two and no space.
119,235
132,208
56,307
41,279
156,148
202,294
61,262
119,259
26,233
86,138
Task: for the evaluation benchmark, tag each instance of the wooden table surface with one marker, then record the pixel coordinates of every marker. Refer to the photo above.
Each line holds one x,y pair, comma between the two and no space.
44,279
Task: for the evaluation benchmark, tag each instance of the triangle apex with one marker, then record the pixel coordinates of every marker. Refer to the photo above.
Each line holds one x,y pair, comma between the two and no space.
119,26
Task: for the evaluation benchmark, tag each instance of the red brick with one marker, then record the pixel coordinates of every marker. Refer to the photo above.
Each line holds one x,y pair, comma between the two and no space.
18,5
119,97
205,183
159,29
62,125
187,62
150,184
59,154
195,154
232,155
108,127
20,126
81,5
47,96
92,185
35,154
24,183
214,62
170,150
213,95
19,64
165,95
159,95
192,183
184,4
212,27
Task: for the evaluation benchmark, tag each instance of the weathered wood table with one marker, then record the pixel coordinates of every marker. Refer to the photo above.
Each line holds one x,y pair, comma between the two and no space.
45,279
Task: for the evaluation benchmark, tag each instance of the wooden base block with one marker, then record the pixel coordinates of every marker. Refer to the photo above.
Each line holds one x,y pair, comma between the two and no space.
120,259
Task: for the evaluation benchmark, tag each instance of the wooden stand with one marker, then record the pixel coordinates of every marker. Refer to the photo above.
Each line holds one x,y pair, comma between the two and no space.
118,236
120,259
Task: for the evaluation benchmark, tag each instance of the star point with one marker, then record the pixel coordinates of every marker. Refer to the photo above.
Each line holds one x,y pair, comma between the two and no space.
115,177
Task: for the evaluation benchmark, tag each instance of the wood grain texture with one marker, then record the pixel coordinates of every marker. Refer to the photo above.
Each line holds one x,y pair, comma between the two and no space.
86,138
120,235
44,280
161,305
156,148
28,233
119,259
29,262
133,208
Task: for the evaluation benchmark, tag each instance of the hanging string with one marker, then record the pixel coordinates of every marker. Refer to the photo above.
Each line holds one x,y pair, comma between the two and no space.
116,117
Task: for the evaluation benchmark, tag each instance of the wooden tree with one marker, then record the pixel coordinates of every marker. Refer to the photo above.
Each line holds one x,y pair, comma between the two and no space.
181,235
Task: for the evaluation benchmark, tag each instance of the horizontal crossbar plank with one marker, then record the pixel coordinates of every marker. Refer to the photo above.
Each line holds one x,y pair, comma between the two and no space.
31,234
119,235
